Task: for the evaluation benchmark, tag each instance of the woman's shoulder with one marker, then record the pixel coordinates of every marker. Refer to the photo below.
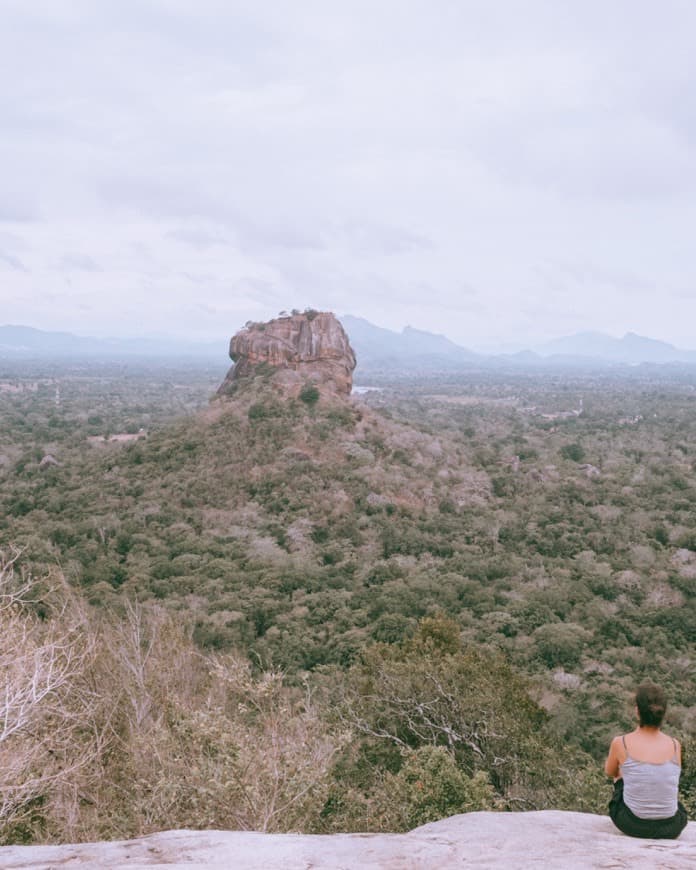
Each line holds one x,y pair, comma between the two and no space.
676,747
618,745
674,742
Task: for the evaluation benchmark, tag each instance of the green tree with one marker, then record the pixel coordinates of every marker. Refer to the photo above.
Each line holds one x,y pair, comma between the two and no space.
430,691
430,786
574,452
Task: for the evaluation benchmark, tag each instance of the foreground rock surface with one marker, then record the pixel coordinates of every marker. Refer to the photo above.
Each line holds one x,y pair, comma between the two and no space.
297,349
548,839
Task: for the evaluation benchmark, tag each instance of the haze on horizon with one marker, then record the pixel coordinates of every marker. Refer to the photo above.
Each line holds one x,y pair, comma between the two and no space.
502,173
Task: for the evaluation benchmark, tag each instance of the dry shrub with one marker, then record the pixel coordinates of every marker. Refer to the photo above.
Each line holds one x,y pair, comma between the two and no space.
119,726
48,733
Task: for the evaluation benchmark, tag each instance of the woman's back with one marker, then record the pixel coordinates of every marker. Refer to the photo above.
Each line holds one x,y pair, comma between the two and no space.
651,781
651,745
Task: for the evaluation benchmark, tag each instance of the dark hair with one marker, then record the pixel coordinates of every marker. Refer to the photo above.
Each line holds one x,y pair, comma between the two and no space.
652,704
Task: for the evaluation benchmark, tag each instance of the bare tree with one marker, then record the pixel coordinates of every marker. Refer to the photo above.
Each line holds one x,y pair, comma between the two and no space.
39,660
285,751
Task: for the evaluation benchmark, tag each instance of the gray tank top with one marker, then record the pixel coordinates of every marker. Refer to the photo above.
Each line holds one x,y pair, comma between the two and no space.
650,790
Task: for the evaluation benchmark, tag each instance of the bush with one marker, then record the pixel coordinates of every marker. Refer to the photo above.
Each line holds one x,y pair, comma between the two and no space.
574,452
309,394
561,643
258,411
430,786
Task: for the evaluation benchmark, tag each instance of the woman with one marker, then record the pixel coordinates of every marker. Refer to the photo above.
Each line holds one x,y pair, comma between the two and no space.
645,766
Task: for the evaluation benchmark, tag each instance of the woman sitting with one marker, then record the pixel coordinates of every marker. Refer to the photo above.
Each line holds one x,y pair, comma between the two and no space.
645,766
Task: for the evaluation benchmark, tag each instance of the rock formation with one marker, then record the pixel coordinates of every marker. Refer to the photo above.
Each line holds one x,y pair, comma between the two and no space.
548,839
294,350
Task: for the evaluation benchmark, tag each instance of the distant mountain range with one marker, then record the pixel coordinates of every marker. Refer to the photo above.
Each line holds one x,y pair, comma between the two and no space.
631,349
376,347
411,350
25,341
414,349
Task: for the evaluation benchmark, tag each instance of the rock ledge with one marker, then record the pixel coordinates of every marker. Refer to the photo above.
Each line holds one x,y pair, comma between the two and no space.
549,839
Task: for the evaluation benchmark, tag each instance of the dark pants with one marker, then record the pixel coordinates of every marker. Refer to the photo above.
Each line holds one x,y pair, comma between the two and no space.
629,823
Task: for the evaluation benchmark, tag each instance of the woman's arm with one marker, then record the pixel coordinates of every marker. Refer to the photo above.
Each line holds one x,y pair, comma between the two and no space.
614,759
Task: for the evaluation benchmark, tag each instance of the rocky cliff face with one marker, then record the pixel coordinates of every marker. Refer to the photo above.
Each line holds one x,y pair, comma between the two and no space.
296,350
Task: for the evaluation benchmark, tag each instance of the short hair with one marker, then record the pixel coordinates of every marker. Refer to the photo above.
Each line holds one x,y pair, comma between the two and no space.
652,704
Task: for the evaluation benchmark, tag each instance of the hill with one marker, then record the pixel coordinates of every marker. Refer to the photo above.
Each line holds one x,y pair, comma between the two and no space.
411,350
18,342
631,349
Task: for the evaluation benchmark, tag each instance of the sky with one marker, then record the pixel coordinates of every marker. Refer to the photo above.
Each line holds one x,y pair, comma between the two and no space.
504,172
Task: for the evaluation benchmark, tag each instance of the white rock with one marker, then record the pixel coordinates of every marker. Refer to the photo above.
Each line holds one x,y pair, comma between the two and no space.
551,840
375,499
566,681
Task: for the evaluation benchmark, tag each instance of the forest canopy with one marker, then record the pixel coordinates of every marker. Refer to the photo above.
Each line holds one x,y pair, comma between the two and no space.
516,557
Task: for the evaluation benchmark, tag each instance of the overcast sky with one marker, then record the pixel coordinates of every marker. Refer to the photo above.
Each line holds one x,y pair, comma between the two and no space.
501,172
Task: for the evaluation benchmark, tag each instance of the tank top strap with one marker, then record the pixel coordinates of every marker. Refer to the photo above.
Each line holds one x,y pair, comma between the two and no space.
675,757
623,740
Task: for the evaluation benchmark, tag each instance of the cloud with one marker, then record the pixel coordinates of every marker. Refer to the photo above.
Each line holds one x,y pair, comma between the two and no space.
603,155
363,237
198,237
271,235
78,263
16,205
162,160
13,262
